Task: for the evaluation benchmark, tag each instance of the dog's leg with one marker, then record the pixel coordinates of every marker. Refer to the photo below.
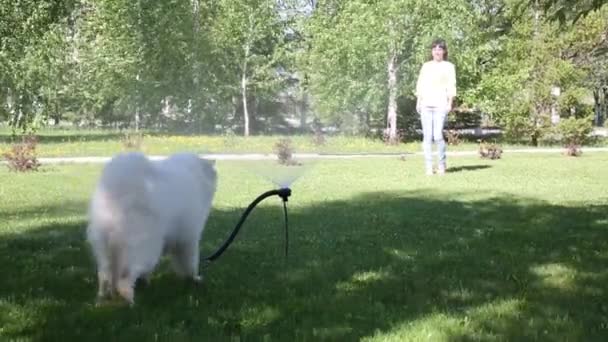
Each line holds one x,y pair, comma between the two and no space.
187,259
192,260
103,280
177,263
125,290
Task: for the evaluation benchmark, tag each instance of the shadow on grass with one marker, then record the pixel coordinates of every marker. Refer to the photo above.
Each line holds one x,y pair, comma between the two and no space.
57,208
467,168
392,265
50,138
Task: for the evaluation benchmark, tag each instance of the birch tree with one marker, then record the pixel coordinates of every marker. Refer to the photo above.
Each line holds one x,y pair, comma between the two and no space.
247,37
31,58
365,55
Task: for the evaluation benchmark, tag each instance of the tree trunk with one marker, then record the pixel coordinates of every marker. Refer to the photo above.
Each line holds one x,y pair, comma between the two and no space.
235,107
536,74
10,103
598,106
302,106
192,103
391,116
137,104
137,118
244,92
244,98
166,107
536,18
604,105
138,76
57,115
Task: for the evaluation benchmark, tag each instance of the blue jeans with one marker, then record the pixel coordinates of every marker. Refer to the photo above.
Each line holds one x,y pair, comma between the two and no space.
433,120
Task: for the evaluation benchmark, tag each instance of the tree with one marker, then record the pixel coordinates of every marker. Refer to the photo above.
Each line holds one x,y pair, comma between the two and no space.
586,45
247,37
30,52
137,63
567,10
365,55
534,57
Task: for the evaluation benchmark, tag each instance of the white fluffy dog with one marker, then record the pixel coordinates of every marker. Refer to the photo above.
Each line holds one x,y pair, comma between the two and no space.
142,209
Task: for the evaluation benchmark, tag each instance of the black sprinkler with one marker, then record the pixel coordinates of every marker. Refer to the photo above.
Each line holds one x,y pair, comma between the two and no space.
283,193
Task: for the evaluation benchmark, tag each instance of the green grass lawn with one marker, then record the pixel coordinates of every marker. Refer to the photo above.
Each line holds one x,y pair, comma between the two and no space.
508,250
66,143
100,143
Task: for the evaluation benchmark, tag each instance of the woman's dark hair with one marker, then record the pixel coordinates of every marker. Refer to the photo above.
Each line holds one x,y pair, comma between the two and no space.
440,43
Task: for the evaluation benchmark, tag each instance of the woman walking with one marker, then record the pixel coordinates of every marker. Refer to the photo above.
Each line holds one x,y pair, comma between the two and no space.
435,92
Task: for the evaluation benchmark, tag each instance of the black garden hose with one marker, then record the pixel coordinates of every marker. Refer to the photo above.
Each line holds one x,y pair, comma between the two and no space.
284,193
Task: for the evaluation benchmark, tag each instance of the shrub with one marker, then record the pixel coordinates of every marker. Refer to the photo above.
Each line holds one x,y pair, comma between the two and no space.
524,127
453,137
284,152
318,138
489,151
397,140
230,139
22,156
132,141
574,133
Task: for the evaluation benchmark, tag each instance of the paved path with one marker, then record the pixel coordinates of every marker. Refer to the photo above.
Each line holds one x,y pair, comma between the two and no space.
264,156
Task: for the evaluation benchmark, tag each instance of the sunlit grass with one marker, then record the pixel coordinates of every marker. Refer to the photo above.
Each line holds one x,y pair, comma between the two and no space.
66,143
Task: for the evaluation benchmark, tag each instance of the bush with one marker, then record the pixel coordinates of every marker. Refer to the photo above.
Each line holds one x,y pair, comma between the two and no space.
318,138
574,133
396,141
22,156
489,151
520,127
453,137
132,141
230,139
285,152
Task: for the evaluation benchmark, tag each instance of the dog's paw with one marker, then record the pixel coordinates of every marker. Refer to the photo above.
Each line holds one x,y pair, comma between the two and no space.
127,293
100,302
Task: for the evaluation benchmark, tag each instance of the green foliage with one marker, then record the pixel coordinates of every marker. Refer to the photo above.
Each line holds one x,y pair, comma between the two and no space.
102,63
249,46
523,127
574,133
453,137
284,150
132,141
489,151
351,44
31,55
569,10
534,57
22,156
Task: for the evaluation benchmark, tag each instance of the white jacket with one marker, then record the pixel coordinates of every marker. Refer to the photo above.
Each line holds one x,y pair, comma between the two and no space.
436,83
